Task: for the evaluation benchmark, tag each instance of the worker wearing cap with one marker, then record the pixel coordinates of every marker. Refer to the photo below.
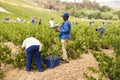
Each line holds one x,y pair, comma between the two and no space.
64,35
33,48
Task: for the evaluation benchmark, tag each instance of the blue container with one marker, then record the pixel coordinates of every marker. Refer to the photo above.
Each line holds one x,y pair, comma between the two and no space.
52,61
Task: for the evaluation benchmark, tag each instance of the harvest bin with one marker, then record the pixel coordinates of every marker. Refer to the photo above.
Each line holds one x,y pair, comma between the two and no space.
52,61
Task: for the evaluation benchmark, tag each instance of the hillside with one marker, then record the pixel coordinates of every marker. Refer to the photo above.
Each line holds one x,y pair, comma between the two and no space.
21,9
26,10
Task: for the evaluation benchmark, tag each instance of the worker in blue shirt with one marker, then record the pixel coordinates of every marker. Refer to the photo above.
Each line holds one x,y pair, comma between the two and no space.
33,21
101,30
64,35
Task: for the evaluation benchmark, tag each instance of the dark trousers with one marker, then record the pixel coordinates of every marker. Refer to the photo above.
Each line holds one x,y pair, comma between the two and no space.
30,52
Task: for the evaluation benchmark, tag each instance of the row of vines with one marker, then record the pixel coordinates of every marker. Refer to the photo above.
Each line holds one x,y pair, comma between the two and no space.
83,38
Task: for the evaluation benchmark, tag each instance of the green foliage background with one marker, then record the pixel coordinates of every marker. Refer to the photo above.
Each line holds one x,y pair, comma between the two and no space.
83,37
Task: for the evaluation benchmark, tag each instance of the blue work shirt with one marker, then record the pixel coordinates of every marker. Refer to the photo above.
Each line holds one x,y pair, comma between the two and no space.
104,30
65,30
33,21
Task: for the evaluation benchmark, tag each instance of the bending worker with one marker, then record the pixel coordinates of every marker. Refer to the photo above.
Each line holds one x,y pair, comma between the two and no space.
33,48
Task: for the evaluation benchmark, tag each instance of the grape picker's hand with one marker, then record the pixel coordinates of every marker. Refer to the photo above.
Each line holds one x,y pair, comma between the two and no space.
23,48
57,29
40,52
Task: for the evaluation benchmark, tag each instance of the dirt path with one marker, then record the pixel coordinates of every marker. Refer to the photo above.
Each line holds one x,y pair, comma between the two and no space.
69,71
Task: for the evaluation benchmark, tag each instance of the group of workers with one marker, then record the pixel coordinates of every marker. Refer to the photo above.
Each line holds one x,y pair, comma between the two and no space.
33,46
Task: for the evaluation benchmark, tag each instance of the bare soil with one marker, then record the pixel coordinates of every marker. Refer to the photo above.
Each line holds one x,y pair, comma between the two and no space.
68,71
15,49
65,71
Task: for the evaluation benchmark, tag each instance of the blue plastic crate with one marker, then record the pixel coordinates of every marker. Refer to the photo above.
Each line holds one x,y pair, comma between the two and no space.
52,61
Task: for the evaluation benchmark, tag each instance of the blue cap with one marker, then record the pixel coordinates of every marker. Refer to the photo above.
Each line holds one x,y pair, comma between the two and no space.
65,15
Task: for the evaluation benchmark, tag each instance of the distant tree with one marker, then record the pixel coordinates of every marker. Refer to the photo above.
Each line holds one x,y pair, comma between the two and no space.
86,4
83,14
69,6
96,15
104,8
95,5
117,13
107,15
115,17
73,12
